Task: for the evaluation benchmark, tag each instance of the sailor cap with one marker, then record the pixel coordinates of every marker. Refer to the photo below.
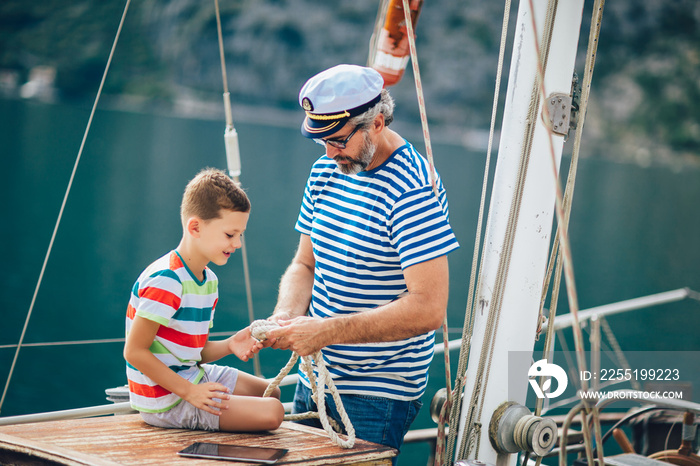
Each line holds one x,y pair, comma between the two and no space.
334,96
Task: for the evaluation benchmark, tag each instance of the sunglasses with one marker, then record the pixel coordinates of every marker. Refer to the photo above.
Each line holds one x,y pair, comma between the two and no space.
336,143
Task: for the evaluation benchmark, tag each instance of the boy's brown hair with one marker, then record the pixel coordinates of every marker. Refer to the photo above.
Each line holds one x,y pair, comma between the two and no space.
210,191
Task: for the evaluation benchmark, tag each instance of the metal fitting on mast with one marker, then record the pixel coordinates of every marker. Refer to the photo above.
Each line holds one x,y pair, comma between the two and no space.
562,110
513,428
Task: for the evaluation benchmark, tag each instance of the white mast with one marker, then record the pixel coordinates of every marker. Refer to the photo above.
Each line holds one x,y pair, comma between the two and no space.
519,227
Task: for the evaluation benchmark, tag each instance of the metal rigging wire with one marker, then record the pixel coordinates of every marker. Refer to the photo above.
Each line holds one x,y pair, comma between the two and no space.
63,205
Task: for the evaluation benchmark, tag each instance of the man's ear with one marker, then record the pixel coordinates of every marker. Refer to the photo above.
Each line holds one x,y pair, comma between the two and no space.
378,122
193,226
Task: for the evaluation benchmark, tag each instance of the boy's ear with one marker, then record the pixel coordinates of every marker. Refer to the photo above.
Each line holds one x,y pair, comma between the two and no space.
193,226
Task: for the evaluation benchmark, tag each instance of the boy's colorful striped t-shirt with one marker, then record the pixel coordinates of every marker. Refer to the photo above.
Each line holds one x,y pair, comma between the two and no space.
168,293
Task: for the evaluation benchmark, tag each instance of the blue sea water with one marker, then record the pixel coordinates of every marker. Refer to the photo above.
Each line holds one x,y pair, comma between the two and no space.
634,232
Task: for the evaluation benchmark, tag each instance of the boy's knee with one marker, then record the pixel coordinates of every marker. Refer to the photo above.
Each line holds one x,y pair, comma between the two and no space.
275,414
276,393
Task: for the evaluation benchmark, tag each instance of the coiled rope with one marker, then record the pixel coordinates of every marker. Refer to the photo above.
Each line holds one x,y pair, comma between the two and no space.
259,329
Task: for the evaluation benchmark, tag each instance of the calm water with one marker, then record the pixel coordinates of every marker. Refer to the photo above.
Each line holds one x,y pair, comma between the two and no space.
634,232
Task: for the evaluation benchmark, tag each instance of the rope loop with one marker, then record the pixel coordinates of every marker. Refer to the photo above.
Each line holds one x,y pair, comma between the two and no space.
258,330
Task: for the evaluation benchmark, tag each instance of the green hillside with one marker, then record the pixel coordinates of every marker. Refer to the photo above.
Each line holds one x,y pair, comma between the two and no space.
644,92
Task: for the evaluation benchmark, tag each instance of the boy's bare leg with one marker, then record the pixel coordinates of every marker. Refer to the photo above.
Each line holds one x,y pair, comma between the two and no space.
250,385
247,411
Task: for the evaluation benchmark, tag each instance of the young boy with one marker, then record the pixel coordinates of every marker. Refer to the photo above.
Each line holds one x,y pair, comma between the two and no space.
169,316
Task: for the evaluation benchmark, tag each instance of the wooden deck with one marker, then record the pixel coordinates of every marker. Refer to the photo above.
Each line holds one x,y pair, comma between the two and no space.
127,440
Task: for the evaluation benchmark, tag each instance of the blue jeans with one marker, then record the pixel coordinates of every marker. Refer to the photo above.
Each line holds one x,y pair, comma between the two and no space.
375,419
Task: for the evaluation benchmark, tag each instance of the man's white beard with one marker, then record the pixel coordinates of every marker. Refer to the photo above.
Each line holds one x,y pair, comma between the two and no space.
364,159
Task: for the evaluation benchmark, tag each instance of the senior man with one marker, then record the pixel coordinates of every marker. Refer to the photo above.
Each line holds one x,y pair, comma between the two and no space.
368,285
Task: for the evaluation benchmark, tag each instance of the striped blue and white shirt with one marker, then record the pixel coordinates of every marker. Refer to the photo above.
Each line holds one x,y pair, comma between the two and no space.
365,230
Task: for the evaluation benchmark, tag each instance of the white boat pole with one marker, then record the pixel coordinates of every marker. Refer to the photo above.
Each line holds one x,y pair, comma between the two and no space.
516,251
78,413
567,320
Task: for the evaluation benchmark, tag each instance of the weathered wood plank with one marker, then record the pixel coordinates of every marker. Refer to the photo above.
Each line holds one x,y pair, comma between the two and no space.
128,440
20,451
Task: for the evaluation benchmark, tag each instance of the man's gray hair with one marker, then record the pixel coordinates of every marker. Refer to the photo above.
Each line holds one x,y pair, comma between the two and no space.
385,106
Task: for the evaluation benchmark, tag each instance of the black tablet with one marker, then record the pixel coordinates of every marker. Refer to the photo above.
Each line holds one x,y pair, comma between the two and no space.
221,451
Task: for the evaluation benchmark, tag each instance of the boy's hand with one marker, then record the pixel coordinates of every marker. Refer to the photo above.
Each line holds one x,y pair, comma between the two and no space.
276,317
243,345
203,396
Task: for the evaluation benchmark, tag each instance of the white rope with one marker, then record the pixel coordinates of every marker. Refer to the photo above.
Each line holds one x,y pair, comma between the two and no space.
259,329
63,205
419,92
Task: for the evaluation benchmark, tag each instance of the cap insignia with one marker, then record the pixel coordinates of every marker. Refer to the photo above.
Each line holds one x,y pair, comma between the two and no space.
306,104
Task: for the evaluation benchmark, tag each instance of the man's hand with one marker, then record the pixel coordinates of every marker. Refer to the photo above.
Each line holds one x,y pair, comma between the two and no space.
303,335
280,315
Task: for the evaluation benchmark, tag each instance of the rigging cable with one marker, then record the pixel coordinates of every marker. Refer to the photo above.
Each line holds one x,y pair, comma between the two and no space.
617,350
419,92
410,35
234,166
93,341
429,153
63,204
562,208
468,322
563,230
568,196
471,438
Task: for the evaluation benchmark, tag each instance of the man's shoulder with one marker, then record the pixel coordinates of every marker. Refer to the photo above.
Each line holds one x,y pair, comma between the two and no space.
406,170
407,157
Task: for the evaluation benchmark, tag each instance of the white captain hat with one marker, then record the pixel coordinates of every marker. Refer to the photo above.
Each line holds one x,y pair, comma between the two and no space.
337,94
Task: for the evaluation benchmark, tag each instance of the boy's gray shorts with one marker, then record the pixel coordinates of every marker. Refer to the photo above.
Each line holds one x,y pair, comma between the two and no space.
184,415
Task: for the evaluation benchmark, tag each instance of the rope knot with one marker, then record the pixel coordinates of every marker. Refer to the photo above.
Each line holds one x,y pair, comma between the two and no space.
259,328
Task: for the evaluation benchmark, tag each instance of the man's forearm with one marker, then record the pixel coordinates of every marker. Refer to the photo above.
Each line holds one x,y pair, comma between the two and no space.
403,318
294,292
